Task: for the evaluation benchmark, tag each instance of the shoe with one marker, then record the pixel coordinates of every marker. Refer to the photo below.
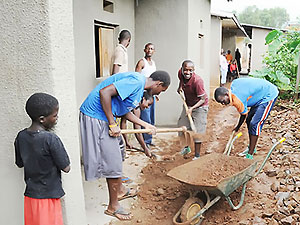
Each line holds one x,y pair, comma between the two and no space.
245,152
195,158
185,150
248,156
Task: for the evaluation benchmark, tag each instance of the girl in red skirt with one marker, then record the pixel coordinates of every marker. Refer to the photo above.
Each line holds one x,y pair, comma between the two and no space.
43,156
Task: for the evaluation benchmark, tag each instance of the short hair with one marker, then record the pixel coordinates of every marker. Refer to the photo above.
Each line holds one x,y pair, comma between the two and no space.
228,51
147,95
146,45
220,91
162,76
124,35
187,61
40,104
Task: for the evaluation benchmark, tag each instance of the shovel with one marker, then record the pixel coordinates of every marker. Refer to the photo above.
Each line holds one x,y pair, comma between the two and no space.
193,127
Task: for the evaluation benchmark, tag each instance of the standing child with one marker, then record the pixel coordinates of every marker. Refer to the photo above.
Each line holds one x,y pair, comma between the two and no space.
43,156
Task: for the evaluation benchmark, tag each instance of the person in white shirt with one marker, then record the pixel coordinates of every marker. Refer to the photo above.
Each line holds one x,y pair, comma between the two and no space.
223,68
146,66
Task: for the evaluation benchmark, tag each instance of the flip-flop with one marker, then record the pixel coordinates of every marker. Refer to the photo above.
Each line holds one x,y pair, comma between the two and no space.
118,213
129,194
126,180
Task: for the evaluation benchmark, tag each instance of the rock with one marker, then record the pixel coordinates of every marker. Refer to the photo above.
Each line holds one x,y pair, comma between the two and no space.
258,221
267,214
278,216
271,173
275,186
296,196
139,221
287,220
273,222
244,222
280,196
284,210
160,191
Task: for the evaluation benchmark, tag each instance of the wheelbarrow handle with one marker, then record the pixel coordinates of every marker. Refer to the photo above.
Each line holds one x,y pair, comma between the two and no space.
268,155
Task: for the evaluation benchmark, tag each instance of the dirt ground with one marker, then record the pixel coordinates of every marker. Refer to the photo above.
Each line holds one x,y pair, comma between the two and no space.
161,196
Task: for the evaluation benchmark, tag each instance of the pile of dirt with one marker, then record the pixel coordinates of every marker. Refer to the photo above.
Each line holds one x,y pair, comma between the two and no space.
210,169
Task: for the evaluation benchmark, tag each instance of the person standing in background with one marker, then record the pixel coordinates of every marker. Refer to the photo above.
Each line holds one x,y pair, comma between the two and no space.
223,68
237,57
146,66
120,56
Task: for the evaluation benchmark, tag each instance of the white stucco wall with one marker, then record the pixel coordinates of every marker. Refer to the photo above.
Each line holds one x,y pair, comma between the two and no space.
164,23
85,12
37,55
258,47
215,50
199,50
173,27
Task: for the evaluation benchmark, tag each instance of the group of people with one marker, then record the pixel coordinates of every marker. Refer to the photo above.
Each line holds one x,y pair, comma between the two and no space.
229,68
130,96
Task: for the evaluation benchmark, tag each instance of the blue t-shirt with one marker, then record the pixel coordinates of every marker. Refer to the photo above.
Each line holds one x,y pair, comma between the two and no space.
130,88
252,92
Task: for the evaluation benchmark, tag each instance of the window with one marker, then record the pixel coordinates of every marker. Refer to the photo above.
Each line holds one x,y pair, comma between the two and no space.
108,6
104,48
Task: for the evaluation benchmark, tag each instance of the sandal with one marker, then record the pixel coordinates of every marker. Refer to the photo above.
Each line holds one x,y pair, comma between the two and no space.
126,180
129,194
120,213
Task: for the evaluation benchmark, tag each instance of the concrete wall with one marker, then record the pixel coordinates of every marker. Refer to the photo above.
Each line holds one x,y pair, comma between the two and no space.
199,48
37,55
228,42
164,23
258,48
215,50
85,12
173,27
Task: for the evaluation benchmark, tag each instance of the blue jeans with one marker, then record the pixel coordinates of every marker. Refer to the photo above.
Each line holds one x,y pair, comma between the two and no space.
148,115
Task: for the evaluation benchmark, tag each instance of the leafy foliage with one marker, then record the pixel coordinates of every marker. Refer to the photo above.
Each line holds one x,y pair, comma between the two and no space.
273,17
281,60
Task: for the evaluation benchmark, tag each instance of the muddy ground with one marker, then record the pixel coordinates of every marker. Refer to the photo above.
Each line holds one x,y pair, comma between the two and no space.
271,198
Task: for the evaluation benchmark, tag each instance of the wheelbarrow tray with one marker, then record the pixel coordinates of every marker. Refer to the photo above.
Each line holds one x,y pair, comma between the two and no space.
218,174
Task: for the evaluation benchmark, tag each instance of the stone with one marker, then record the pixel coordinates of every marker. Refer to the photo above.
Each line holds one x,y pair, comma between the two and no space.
287,220
271,173
160,191
280,196
275,186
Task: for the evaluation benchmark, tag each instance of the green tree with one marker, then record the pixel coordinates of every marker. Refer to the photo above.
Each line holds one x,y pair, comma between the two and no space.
273,17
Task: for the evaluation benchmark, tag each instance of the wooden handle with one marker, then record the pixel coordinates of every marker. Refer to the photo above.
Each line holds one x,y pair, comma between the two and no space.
159,130
188,114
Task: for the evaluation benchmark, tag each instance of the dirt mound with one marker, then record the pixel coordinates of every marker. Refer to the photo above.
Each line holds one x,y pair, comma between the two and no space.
210,169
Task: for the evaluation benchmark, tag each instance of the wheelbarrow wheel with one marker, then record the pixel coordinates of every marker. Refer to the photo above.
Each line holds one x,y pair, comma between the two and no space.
190,208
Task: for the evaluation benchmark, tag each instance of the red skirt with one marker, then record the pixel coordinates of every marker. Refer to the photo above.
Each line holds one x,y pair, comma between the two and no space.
42,211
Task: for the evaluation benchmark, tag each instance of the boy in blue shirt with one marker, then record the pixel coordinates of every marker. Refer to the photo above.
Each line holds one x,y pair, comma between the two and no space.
118,95
256,93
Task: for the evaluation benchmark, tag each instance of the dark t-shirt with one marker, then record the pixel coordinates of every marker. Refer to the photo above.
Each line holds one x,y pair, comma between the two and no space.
43,156
193,89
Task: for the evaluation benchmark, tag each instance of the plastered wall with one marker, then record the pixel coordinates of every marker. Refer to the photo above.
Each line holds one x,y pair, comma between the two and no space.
37,55
173,27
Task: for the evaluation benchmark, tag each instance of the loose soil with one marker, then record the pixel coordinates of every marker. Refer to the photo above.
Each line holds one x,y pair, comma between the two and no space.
161,196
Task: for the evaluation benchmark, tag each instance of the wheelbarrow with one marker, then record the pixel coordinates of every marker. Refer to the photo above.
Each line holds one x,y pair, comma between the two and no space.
232,172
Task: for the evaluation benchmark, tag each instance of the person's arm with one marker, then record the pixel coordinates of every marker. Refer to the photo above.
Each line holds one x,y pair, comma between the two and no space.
105,97
241,121
139,136
134,119
115,69
67,169
139,66
18,158
198,104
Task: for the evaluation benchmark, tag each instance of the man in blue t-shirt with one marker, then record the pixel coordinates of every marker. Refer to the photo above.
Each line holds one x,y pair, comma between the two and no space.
118,95
256,93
